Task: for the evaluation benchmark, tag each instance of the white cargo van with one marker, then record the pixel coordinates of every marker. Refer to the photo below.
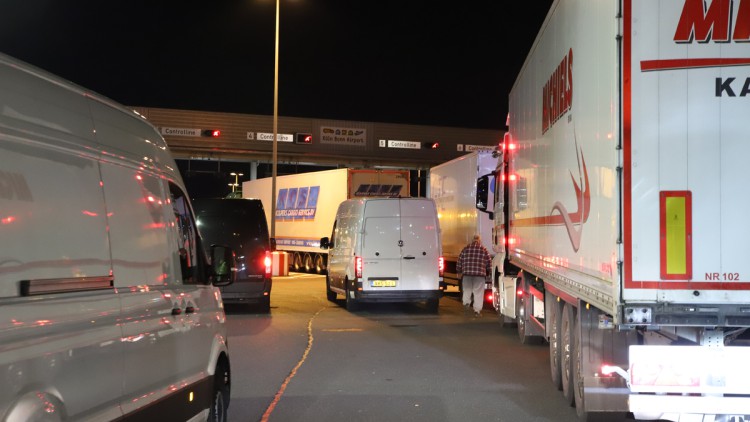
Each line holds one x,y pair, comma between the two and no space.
385,250
107,308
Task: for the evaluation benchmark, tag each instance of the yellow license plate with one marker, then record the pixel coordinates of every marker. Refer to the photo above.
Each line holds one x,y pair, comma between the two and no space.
383,283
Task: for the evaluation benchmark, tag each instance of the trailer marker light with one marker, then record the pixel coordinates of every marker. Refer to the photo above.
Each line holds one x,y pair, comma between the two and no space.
519,292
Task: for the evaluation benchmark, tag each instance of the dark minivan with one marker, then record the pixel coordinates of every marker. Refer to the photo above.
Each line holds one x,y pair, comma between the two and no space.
240,224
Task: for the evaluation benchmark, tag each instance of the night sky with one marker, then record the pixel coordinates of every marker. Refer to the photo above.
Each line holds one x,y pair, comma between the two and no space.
406,61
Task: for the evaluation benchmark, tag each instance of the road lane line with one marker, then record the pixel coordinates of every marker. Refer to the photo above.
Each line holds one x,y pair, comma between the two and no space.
291,375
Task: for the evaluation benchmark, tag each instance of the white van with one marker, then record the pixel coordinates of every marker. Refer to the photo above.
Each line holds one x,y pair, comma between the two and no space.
385,250
107,308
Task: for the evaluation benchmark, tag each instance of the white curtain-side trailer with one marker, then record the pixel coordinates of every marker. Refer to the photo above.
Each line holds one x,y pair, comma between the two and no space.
622,230
306,205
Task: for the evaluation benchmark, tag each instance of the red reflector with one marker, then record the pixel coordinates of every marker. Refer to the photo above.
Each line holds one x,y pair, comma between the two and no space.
358,266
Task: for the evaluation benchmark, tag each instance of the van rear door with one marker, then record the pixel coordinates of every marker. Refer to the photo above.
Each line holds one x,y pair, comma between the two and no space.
381,251
421,246
400,246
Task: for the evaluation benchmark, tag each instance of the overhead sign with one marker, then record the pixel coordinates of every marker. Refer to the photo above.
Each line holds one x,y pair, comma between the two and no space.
392,143
479,148
343,136
180,131
282,137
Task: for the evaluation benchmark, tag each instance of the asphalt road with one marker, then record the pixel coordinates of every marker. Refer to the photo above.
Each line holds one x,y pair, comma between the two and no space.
312,360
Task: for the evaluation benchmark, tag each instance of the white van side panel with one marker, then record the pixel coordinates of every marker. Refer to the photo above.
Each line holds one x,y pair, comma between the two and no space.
57,234
346,235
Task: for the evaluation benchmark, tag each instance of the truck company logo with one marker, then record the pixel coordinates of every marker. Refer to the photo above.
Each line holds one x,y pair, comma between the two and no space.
297,203
702,23
557,94
390,191
564,218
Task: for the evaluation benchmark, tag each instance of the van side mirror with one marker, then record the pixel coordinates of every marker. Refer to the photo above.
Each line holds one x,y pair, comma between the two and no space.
325,243
273,244
222,265
482,195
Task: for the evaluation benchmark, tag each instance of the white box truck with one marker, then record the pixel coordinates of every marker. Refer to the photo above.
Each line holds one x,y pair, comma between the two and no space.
453,188
306,206
626,224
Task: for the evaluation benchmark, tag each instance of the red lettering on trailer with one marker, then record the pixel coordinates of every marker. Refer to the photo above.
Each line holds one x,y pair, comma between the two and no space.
702,23
557,93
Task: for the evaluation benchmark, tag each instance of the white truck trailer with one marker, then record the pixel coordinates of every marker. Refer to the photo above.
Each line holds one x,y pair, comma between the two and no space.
306,205
453,188
626,224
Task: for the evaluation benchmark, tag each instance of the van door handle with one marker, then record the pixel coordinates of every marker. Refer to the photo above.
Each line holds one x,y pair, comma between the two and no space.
409,257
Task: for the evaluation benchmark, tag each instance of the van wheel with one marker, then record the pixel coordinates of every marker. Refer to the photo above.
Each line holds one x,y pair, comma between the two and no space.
308,263
320,264
220,402
351,303
265,304
433,306
330,294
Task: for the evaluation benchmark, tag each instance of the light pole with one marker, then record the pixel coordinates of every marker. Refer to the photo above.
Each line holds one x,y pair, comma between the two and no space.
275,125
236,180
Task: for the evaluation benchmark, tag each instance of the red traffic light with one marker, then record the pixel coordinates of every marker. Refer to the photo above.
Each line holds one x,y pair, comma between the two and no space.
213,133
303,138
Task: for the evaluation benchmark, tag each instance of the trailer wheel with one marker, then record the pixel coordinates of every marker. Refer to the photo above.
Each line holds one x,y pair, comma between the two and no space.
308,263
578,394
567,352
297,262
555,347
320,264
521,321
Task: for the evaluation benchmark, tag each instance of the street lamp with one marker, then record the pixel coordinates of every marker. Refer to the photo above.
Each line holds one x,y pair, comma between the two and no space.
275,124
236,180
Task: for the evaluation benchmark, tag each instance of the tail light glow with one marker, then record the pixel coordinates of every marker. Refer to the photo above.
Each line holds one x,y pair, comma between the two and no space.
441,266
267,264
358,266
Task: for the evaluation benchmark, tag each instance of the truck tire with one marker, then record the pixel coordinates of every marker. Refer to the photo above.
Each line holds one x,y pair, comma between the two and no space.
578,395
330,294
521,322
555,347
567,352
220,401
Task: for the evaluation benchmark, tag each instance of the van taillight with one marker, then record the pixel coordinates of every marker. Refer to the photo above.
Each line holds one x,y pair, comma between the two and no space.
267,264
441,266
358,266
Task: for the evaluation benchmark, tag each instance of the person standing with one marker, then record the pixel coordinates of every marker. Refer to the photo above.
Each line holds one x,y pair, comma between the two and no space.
473,267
